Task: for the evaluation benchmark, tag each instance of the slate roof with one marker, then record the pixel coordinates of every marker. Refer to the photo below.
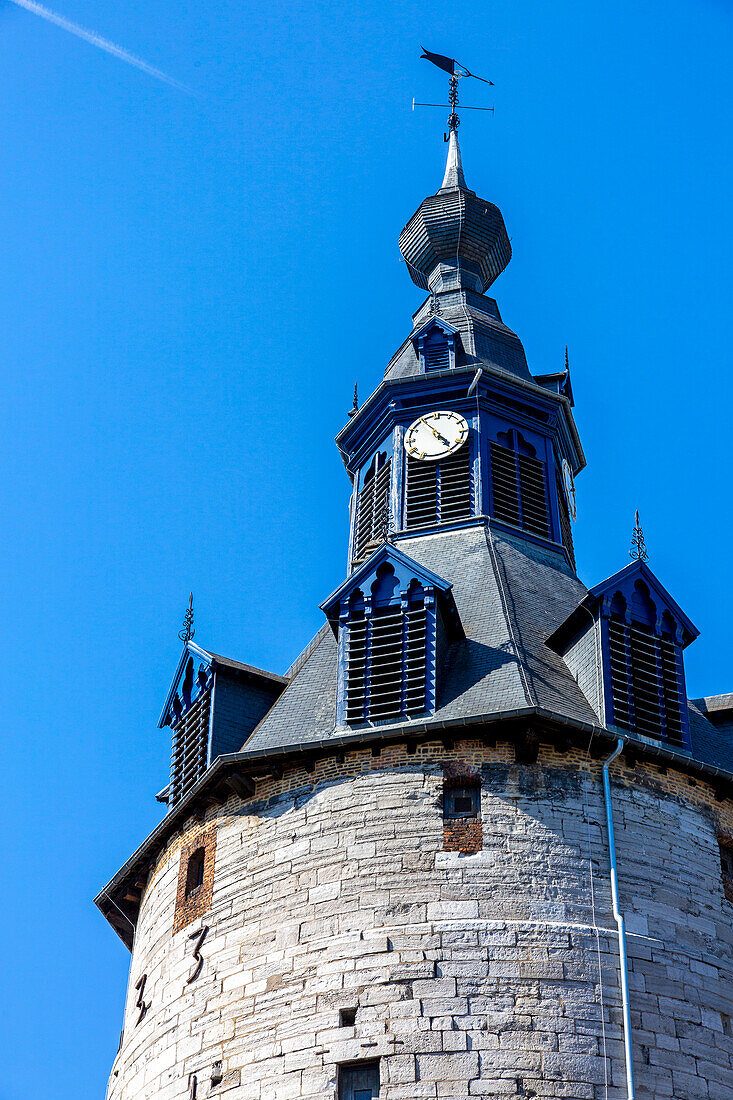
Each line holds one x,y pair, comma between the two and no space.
508,599
487,341
511,595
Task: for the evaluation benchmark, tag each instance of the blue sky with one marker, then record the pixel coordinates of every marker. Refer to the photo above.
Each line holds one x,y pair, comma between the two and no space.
189,287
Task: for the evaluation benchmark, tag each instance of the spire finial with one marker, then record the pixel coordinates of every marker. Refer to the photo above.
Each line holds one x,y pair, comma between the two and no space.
567,360
638,551
453,177
187,632
355,407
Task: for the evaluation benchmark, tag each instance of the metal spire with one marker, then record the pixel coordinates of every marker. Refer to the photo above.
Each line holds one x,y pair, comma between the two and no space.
453,177
638,551
355,407
187,632
567,361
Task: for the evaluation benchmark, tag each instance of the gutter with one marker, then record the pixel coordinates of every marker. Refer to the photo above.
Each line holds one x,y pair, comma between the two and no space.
628,1051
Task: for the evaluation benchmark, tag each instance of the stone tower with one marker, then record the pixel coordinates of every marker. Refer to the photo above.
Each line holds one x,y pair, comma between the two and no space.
392,872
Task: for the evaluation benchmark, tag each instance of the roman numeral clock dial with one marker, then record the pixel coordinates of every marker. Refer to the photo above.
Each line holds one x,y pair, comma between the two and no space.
435,435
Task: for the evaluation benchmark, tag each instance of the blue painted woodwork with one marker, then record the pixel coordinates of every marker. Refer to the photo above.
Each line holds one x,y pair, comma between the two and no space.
387,612
231,698
527,420
436,343
643,633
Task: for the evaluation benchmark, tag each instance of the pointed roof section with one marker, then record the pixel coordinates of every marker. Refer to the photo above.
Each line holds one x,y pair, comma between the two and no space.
405,570
625,582
455,240
453,177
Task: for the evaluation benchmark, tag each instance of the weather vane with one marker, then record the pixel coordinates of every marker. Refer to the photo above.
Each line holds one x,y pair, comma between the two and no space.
456,72
187,632
638,551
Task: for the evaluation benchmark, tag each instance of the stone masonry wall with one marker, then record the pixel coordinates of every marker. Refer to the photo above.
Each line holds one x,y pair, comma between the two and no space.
491,975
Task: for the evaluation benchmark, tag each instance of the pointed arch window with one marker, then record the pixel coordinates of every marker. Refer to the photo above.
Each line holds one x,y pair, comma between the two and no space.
646,670
372,508
519,484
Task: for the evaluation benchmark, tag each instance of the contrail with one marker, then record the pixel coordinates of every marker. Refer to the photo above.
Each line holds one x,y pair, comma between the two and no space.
95,39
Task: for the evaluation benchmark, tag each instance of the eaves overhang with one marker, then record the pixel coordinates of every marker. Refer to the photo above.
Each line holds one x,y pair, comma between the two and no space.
373,420
215,661
236,773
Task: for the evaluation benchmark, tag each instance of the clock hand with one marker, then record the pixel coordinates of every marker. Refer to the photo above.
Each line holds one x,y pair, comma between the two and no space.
440,437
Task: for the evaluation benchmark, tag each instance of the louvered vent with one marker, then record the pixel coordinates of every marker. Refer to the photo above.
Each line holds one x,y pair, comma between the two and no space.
566,531
372,513
518,484
645,682
438,492
386,664
190,748
437,356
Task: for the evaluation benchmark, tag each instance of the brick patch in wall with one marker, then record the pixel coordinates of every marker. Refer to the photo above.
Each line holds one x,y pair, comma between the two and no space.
463,834
190,908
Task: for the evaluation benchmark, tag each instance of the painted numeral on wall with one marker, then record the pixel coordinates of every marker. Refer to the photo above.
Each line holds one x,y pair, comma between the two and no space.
141,1004
199,936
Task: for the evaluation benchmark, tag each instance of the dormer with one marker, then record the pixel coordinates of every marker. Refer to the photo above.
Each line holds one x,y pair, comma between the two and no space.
393,618
212,707
624,644
436,344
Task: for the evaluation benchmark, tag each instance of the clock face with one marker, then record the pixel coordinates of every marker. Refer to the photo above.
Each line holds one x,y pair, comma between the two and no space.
569,487
435,435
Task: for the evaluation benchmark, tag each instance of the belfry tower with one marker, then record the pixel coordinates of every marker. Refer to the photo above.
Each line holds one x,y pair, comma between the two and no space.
393,872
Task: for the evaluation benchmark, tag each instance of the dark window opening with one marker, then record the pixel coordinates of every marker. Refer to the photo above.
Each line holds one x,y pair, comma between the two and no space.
372,508
359,1082
190,748
386,663
195,871
436,354
646,670
462,802
347,1017
438,492
518,484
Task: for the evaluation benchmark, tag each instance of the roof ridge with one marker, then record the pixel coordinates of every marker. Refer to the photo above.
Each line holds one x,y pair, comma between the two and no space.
511,622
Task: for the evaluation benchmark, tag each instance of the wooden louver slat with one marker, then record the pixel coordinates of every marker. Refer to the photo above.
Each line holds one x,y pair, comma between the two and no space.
519,490
372,513
190,748
645,682
385,665
438,492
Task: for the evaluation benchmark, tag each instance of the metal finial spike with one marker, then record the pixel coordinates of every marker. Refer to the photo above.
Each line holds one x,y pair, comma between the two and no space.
355,407
567,360
187,632
638,551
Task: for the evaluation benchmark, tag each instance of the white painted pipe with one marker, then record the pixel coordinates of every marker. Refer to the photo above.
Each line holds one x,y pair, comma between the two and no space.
628,1050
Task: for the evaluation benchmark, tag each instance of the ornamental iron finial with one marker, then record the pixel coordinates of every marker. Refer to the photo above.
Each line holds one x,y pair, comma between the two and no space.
355,407
456,72
567,360
187,632
638,551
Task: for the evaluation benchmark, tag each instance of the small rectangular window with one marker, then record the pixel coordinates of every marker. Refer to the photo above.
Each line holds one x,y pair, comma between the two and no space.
359,1082
462,802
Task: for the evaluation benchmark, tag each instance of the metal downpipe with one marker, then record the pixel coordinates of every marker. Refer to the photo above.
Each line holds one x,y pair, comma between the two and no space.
630,1093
